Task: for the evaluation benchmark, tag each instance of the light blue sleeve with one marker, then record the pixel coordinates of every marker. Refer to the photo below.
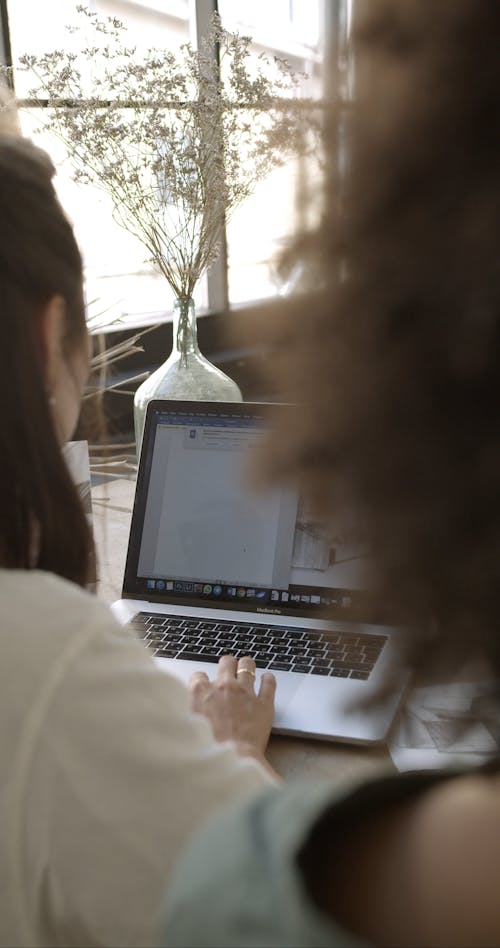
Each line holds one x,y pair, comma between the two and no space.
238,886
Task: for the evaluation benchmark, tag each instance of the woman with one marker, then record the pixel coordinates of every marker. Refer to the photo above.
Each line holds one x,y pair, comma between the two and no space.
106,771
397,367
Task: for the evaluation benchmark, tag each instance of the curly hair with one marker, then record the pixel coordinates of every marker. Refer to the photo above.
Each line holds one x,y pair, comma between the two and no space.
395,360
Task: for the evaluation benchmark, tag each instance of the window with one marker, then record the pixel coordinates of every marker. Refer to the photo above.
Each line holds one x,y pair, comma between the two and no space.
117,275
260,228
117,278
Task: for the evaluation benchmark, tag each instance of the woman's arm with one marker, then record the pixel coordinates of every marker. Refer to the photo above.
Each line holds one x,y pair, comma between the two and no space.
426,872
122,773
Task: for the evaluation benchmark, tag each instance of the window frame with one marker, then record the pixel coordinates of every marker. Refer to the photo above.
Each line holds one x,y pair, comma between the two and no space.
335,15
5,48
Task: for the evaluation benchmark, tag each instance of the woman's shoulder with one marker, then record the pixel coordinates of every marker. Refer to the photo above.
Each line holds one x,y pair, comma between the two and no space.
43,617
54,633
43,596
42,593
457,859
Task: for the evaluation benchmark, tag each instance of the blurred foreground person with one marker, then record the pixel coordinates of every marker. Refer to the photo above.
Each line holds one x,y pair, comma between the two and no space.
395,361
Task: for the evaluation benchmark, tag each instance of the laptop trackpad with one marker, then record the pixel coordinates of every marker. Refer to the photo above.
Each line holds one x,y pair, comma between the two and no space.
287,685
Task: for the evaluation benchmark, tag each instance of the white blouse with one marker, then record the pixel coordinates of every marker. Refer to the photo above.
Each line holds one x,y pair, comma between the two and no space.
105,771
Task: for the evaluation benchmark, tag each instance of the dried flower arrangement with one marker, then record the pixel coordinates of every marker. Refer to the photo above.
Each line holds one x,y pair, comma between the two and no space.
177,141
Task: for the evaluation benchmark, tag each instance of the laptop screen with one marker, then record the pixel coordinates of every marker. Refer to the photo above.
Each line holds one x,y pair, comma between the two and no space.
202,535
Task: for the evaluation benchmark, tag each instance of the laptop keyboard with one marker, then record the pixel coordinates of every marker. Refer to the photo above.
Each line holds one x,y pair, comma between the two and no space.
278,648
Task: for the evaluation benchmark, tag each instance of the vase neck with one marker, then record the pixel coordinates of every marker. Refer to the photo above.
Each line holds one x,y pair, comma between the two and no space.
185,336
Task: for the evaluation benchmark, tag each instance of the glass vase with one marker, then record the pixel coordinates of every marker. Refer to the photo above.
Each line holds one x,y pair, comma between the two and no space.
186,374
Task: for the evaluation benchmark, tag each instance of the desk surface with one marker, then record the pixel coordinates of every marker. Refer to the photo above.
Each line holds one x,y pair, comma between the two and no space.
112,507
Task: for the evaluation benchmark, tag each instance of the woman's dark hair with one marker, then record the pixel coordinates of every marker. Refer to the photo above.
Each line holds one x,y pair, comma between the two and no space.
396,359
43,525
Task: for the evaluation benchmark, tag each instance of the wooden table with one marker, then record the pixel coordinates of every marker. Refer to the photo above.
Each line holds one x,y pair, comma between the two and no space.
112,503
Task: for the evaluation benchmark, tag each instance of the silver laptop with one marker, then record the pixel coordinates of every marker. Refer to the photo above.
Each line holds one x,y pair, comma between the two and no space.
214,567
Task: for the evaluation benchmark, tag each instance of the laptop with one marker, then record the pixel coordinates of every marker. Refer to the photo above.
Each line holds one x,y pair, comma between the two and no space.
214,567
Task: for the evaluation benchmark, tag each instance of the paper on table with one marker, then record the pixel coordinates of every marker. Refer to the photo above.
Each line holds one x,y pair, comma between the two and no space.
426,735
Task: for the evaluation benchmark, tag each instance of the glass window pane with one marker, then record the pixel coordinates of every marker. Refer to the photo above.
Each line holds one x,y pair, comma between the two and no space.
118,275
261,227
279,23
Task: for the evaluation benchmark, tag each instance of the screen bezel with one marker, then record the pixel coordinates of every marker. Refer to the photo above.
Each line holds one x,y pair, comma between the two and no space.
361,606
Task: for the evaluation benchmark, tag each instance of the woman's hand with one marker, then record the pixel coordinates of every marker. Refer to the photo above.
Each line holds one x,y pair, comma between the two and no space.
234,710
